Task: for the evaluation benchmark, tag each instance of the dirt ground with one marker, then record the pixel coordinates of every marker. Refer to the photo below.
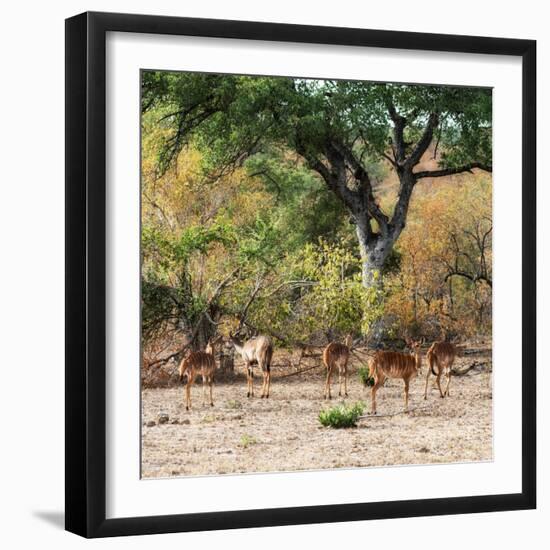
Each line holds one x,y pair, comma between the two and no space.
282,433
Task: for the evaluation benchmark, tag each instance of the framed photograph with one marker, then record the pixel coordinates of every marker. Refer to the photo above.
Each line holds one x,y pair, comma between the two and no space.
300,274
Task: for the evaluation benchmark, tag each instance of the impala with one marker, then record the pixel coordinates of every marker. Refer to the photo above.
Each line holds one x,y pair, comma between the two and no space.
198,362
335,357
258,350
441,357
392,364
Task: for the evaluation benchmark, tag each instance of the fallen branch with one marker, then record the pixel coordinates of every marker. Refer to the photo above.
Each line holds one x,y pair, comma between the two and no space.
464,371
299,371
472,351
393,414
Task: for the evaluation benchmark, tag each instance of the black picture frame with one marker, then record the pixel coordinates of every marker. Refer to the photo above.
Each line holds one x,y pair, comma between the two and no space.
86,274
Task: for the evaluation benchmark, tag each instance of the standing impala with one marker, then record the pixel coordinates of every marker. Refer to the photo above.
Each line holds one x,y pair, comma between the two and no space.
392,364
336,357
258,350
198,362
441,357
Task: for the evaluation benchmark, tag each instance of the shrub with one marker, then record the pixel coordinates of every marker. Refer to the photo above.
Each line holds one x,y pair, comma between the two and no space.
247,440
342,416
364,377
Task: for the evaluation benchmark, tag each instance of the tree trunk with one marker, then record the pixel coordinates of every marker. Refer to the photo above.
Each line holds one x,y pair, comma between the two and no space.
374,249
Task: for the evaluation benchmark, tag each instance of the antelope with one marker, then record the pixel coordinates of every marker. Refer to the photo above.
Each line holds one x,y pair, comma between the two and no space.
198,362
392,364
258,350
336,356
442,356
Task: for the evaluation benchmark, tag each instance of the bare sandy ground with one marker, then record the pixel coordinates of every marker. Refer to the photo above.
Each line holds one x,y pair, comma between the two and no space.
282,433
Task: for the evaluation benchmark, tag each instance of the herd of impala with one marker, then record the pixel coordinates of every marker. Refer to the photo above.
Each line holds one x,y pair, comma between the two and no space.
383,365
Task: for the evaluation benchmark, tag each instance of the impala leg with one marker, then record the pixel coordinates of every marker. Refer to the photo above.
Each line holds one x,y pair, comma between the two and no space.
203,389
327,386
188,395
427,379
339,383
449,374
373,396
210,381
251,382
438,380
268,381
406,395
346,382
264,382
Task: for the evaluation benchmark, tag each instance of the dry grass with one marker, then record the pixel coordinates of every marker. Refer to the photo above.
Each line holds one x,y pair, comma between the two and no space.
283,433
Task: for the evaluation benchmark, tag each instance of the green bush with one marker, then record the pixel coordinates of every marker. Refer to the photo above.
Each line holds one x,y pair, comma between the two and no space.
364,377
342,416
247,440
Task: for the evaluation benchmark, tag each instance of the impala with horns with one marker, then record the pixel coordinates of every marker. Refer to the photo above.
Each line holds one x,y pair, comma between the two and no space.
255,351
335,358
198,362
392,364
441,357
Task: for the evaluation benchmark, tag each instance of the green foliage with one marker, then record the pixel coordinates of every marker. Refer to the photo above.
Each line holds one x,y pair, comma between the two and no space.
167,294
337,300
342,416
157,307
230,116
364,377
259,241
228,187
247,440
199,239
302,211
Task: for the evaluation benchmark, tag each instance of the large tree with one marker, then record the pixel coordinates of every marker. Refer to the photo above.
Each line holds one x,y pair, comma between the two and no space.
340,129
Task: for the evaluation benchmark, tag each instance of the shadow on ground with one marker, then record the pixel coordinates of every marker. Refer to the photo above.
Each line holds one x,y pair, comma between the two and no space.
55,518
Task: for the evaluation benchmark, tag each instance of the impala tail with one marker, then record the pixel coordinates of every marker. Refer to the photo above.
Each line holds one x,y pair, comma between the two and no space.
372,366
431,360
184,365
268,355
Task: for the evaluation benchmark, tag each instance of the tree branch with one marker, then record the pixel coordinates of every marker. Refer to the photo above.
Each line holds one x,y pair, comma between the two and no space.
402,207
314,162
472,278
399,123
292,284
362,177
452,171
338,176
254,293
390,160
424,142
214,297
